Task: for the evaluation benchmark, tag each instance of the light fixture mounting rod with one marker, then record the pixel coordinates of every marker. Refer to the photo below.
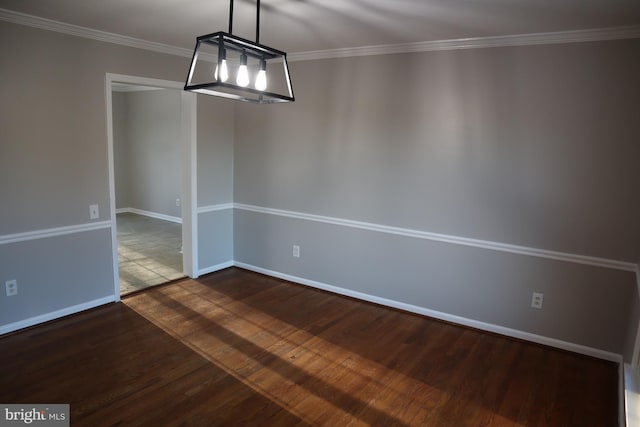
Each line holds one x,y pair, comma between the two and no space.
231,17
258,22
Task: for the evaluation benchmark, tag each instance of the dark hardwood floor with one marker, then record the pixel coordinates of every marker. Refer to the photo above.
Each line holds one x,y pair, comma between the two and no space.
238,348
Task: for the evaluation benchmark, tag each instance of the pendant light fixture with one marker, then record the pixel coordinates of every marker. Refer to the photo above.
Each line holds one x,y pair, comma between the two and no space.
232,67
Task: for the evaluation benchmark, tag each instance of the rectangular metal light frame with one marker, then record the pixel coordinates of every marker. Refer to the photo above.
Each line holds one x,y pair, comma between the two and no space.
223,40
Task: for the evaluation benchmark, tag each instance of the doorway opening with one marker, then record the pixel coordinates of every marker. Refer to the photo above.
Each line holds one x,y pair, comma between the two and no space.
149,251
152,169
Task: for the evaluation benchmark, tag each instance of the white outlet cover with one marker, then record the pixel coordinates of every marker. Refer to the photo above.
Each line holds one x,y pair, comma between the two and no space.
94,212
11,287
536,300
296,251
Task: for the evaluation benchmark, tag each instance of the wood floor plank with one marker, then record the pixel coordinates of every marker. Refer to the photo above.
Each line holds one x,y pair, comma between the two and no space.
240,348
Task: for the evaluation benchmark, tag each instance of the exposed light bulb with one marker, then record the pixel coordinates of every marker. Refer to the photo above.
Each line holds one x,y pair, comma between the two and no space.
261,78
224,71
243,76
243,73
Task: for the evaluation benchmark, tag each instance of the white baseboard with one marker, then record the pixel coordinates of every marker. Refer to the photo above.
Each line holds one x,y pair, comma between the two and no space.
215,268
11,327
514,333
150,214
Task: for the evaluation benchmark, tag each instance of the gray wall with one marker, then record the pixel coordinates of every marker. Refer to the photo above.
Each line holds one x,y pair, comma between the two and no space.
121,156
534,146
147,151
54,164
215,181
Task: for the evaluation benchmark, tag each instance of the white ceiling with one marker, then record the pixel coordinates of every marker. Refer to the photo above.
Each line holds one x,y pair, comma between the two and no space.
311,25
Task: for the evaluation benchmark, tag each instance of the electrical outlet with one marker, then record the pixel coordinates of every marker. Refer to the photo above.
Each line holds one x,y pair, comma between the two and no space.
536,300
296,251
178,201
11,287
94,213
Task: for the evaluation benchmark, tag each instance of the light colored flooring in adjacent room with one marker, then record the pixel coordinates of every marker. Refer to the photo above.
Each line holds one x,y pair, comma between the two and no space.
149,251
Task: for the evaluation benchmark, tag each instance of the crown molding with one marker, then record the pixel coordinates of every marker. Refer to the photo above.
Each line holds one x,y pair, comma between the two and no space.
575,36
90,33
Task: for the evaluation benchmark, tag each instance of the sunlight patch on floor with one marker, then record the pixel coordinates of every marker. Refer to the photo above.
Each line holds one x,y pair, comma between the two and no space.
219,320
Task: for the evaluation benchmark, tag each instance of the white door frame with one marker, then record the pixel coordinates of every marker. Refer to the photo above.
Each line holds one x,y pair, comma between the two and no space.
635,359
188,141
